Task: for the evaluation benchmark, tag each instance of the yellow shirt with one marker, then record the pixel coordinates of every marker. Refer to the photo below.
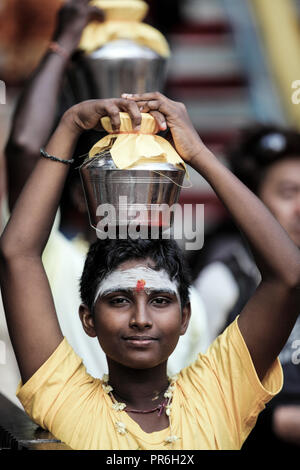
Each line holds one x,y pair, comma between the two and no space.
215,403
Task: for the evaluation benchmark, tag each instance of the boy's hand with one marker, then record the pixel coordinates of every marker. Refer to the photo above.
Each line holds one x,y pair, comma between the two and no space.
87,115
72,18
174,115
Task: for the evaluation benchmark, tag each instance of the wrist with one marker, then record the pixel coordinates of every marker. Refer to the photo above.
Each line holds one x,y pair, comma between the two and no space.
71,127
202,158
69,38
56,48
67,42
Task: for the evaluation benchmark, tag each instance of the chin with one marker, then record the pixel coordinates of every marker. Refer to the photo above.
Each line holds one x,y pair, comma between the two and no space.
140,362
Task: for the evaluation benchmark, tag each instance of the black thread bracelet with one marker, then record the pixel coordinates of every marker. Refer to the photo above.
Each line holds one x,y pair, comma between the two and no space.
55,159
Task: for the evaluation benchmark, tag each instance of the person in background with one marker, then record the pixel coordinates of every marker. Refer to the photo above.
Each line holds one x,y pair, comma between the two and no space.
267,159
35,116
33,121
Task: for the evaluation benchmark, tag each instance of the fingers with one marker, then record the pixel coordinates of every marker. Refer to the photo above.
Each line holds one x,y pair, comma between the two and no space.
92,111
160,120
149,103
155,96
134,112
112,108
114,114
153,103
152,107
147,106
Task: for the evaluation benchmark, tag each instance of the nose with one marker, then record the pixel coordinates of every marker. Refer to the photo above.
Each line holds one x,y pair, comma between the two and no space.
140,317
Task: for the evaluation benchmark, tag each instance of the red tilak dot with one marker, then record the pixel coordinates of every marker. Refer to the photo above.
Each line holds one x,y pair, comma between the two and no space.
140,285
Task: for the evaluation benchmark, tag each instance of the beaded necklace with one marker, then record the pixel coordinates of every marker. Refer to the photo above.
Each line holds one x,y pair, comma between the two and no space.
166,405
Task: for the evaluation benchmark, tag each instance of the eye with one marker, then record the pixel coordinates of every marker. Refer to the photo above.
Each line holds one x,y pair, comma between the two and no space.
118,301
288,192
161,301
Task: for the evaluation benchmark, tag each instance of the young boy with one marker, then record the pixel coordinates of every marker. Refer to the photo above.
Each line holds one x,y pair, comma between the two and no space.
135,303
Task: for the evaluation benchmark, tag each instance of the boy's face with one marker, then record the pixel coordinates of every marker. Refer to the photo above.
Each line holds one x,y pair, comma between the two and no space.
137,316
280,191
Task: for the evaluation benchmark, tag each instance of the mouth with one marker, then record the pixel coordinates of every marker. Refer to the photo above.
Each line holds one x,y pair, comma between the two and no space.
139,340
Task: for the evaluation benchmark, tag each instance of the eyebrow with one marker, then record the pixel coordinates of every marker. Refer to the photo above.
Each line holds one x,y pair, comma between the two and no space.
130,290
163,291
116,289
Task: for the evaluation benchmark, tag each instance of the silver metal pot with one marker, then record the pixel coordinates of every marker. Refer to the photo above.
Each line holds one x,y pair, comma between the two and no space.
120,66
141,195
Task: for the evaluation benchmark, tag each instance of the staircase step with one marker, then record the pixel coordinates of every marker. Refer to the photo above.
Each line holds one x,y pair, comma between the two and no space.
219,114
195,59
194,84
214,29
208,11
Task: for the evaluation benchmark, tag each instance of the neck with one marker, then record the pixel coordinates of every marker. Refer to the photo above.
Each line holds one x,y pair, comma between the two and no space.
139,389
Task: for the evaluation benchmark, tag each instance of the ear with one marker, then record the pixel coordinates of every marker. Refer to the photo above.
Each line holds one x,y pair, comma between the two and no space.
87,320
185,318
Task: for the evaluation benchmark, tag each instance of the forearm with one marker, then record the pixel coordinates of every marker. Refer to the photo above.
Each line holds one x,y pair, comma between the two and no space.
30,224
33,122
26,294
35,113
276,256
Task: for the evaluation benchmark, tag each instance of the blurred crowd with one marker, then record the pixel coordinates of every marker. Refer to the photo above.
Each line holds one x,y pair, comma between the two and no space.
265,157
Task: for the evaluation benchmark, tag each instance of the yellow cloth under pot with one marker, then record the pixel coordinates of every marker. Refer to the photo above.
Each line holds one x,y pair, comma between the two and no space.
132,148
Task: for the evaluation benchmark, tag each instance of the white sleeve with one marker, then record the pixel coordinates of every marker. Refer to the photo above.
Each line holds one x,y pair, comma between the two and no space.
219,292
195,340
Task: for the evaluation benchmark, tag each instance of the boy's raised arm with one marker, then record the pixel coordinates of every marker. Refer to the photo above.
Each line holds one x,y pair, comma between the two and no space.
269,316
27,298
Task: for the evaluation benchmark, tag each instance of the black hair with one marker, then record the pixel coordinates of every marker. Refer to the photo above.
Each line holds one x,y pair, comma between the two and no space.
259,147
106,255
